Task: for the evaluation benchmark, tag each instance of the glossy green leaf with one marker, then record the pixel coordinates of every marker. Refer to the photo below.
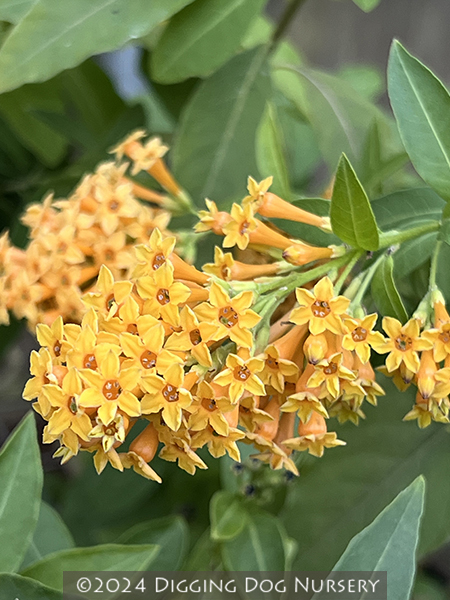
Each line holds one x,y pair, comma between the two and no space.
367,5
214,151
384,291
259,546
12,11
407,208
228,516
389,543
171,534
271,153
54,36
421,106
201,38
340,494
352,217
20,493
50,535
109,557
16,587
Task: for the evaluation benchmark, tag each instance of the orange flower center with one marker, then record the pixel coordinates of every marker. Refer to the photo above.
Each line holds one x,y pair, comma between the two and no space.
113,205
359,334
330,369
163,296
132,328
228,316
89,362
244,226
209,404
403,342
158,261
72,404
111,430
109,302
195,337
170,393
320,308
57,348
272,363
111,390
445,337
242,373
225,271
148,359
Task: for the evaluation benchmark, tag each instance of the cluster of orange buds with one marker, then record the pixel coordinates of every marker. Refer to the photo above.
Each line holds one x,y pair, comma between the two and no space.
70,238
422,359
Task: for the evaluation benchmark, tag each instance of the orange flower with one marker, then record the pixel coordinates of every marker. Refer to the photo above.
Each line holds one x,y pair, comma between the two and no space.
212,219
276,369
241,376
208,409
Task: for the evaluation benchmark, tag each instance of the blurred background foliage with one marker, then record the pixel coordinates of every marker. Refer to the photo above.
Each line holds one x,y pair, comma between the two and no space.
76,79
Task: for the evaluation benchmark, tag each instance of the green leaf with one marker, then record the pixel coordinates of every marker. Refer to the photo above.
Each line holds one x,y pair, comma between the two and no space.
389,543
214,151
367,5
22,588
421,105
442,278
12,11
228,516
340,117
259,547
384,292
201,38
340,494
19,109
109,557
365,79
171,534
352,218
50,535
271,153
20,493
407,208
54,36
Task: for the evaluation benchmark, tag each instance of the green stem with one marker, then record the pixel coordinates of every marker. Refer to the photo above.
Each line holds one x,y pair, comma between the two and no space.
346,272
397,237
366,278
434,264
284,22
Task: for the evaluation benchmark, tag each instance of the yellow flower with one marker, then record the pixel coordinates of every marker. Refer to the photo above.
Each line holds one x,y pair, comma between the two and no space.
212,219
110,435
241,376
207,409
166,394
102,458
65,400
314,437
110,389
403,344
241,224
361,336
41,367
222,265
328,373
134,461
87,352
187,459
219,445
153,255
320,309
233,316
52,338
276,369
163,295
304,404
111,294
194,337
440,338
148,353
257,191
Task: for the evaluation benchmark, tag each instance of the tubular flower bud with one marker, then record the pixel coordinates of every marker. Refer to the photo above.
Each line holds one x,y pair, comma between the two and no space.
315,348
314,437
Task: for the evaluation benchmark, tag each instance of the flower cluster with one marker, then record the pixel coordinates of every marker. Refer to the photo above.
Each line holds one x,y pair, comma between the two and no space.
98,224
160,357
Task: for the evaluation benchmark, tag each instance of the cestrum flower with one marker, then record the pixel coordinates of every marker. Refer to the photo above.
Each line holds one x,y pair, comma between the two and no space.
403,344
241,376
111,388
320,309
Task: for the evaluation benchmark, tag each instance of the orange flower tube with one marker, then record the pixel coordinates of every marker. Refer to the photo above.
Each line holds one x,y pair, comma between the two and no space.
273,206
